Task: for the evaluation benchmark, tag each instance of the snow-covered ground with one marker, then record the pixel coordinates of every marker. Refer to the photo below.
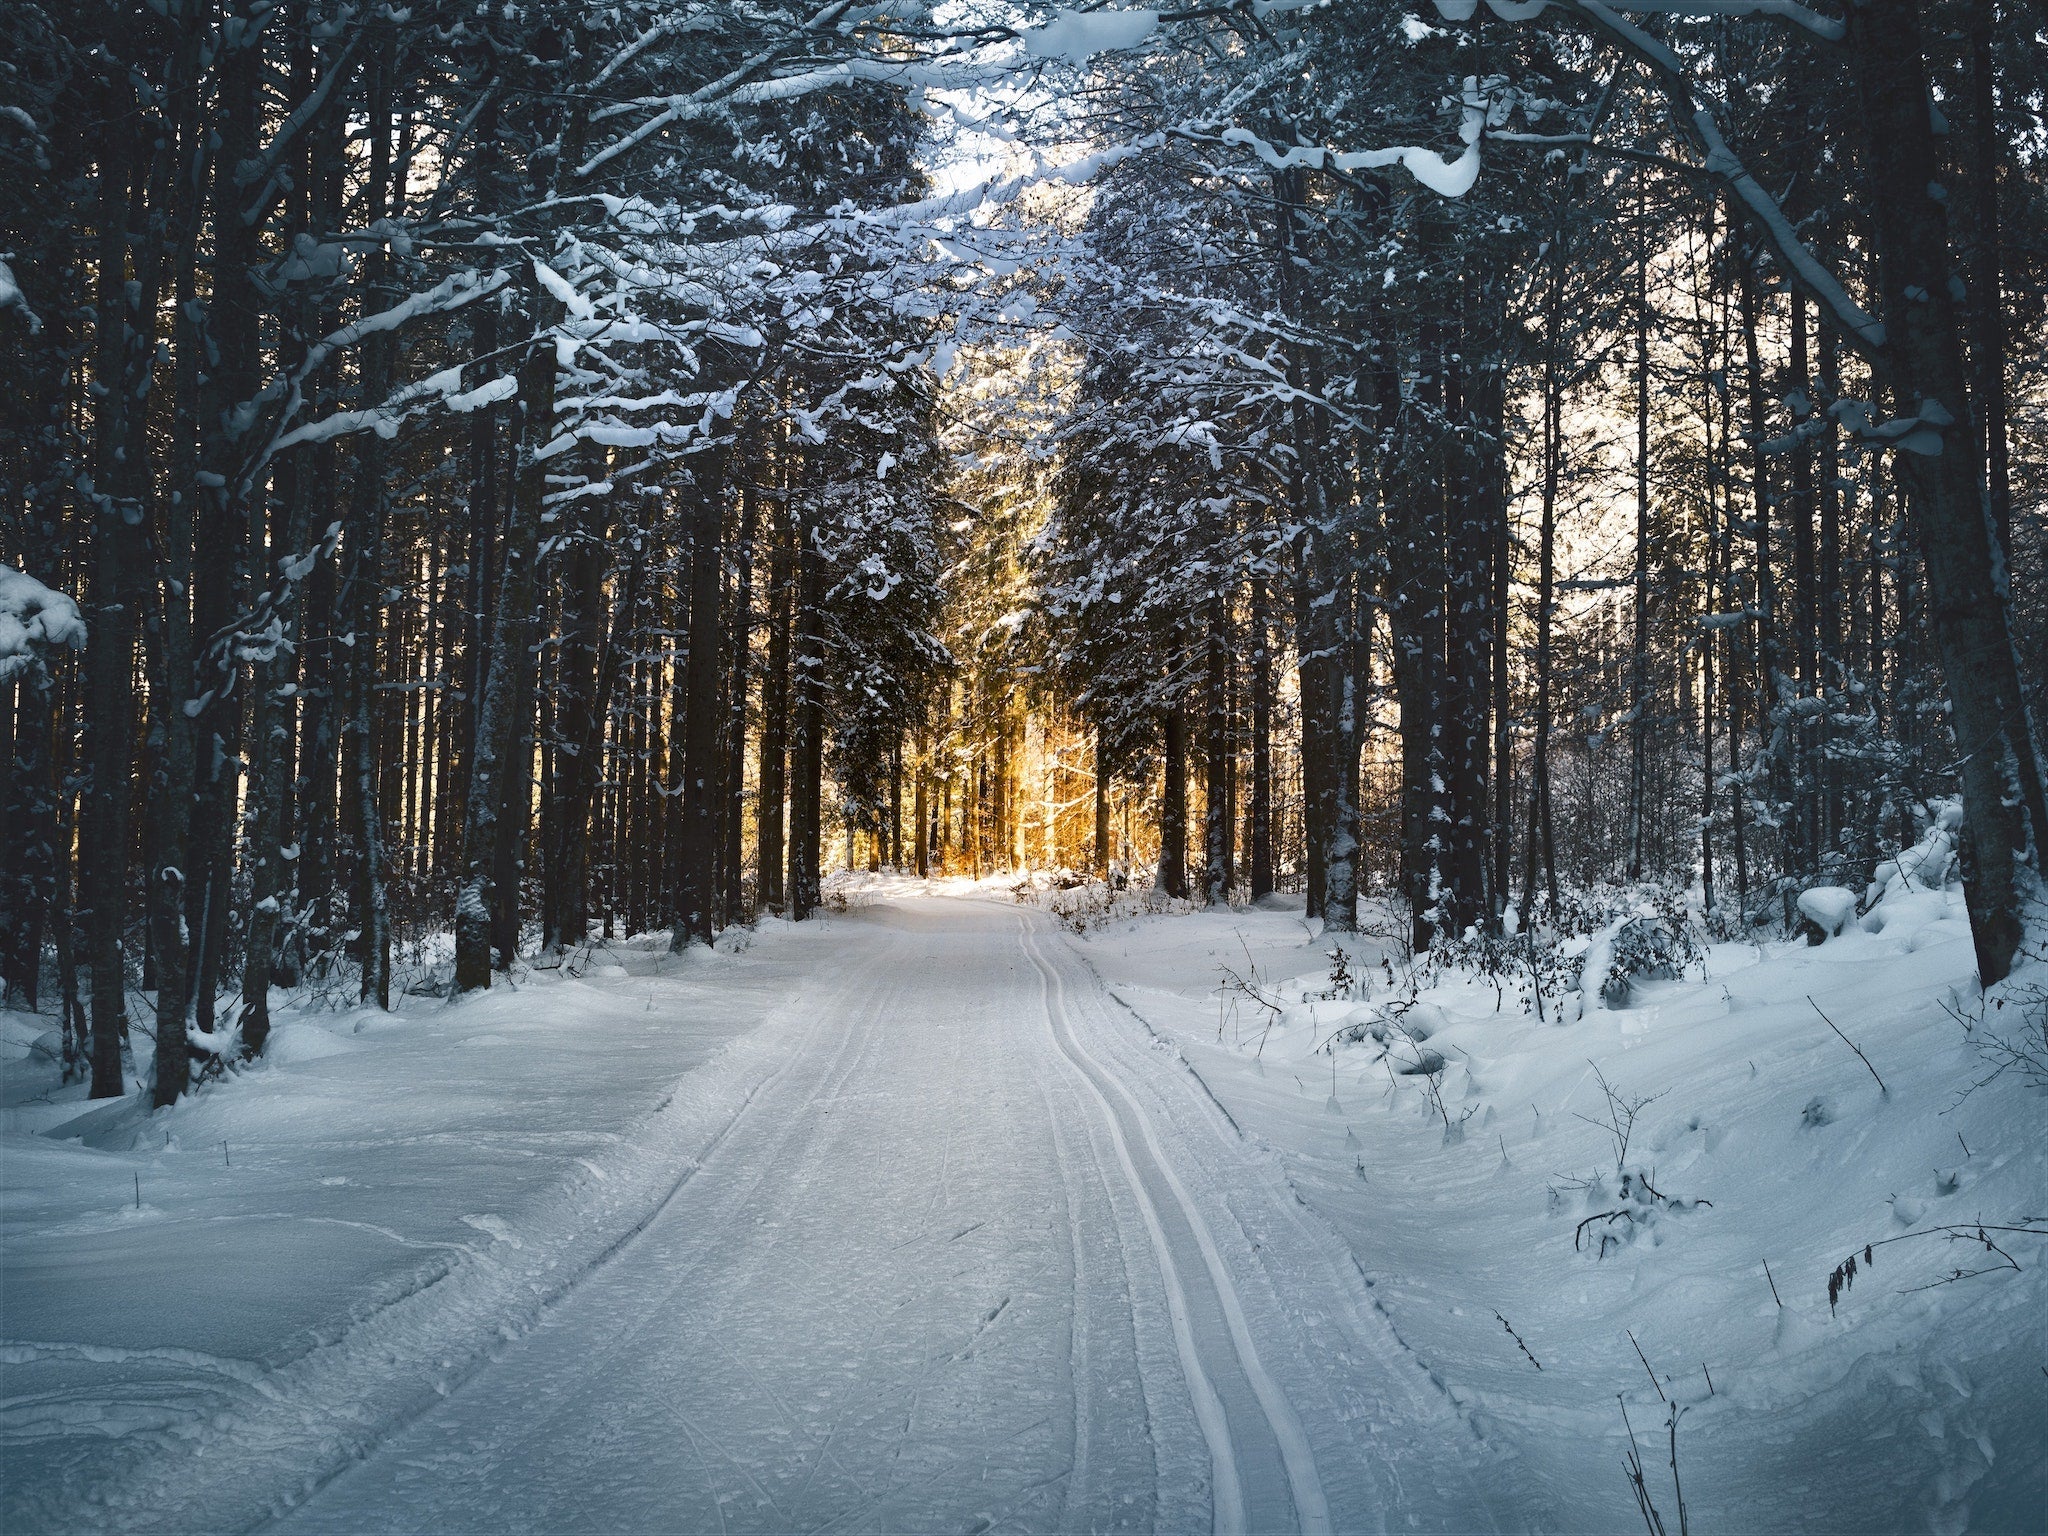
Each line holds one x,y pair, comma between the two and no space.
1912,1405
934,1215
203,1308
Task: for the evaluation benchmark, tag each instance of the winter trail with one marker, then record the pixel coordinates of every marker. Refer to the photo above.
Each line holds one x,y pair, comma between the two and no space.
974,1259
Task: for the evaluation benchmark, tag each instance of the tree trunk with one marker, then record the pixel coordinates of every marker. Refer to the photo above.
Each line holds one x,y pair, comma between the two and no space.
1173,803
1769,677
1474,509
498,712
739,675
895,816
363,583
1101,845
1639,661
1968,596
232,504
313,801
1261,840
920,814
807,744
1218,809
119,483
1801,740
169,643
1542,844
773,777
1987,299
1832,649
696,915
580,701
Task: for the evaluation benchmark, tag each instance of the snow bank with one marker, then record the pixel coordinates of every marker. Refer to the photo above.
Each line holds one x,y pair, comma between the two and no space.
210,1309
1507,1213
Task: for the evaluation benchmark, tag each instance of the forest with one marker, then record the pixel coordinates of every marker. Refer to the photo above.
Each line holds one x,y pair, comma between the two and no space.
1547,498
586,469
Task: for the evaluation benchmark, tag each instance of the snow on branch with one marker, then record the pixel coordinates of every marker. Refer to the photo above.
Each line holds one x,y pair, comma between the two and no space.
33,617
1862,329
1446,178
1506,10
443,388
11,297
1824,27
287,390
264,167
708,98
1725,166
1077,36
564,291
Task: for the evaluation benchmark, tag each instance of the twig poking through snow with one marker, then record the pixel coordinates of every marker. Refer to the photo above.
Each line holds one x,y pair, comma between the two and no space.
1652,1521
1976,1233
1886,1092
1646,1364
1524,1348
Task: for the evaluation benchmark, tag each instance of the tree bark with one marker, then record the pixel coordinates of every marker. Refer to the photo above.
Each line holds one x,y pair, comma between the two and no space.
1967,592
363,583
696,915
1173,802
579,729
498,714
169,643
1218,809
739,676
1260,875
807,743
773,776
125,343
1639,658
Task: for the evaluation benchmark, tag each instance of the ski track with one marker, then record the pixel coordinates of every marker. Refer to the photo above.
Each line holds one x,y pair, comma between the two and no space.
1310,1508
964,1250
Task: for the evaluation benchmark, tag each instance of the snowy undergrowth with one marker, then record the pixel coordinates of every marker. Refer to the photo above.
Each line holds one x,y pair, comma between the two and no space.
1570,1217
210,1308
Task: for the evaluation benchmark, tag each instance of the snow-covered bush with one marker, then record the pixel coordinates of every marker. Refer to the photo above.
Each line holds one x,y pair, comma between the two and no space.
1637,1206
1081,904
1659,941
1903,894
1539,967
1602,941
1828,909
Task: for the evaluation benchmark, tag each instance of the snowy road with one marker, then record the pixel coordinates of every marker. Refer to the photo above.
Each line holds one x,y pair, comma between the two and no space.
977,1256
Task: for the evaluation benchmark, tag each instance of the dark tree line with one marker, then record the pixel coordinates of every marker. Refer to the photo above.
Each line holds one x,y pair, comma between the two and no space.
464,460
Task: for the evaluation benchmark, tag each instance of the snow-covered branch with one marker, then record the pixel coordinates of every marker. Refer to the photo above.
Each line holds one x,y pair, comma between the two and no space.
33,618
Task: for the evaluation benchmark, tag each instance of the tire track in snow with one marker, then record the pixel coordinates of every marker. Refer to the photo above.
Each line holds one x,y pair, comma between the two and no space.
455,1323
1304,1483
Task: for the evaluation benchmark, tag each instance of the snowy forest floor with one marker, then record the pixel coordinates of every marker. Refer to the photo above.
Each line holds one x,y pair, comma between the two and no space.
931,1215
